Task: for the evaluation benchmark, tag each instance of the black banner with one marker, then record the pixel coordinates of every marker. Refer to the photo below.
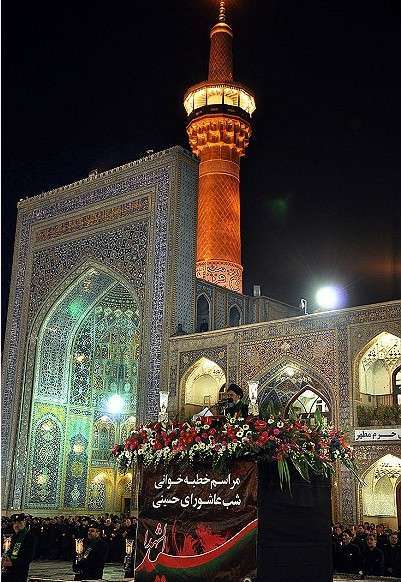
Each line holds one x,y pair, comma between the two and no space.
294,533
197,525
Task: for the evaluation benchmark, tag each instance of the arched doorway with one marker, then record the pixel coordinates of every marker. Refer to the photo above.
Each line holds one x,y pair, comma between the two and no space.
380,494
86,362
201,386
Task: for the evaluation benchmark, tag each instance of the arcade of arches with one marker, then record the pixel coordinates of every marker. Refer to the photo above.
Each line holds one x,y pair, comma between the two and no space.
87,352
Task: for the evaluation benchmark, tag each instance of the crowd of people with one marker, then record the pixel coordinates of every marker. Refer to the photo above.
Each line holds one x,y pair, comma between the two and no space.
87,541
366,549
54,537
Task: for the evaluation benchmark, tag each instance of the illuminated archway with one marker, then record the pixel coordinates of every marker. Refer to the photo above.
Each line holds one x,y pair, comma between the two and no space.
376,381
379,502
87,350
290,383
307,403
377,363
201,386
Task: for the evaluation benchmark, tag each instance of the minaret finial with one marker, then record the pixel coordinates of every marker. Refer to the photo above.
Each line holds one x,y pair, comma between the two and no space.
222,11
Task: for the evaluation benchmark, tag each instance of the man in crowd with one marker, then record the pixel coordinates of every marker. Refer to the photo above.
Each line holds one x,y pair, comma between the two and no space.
392,557
360,538
15,563
90,565
349,555
372,558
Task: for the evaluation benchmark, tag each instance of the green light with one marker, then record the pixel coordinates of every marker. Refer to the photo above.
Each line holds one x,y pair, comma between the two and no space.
279,208
76,307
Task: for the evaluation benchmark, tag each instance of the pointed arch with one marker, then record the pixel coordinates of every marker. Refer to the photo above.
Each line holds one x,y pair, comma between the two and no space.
396,384
307,401
202,313
379,493
86,345
374,380
200,386
234,316
286,377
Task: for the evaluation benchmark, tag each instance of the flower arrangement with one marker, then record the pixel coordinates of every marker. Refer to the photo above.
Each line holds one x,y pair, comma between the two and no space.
310,449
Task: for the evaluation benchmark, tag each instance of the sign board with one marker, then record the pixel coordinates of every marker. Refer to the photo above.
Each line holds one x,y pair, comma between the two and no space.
197,525
377,434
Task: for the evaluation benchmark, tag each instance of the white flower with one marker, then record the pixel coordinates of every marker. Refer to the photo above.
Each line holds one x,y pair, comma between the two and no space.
280,424
240,434
246,426
205,426
270,421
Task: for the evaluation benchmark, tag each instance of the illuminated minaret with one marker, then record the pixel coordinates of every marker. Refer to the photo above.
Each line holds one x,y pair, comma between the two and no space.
219,114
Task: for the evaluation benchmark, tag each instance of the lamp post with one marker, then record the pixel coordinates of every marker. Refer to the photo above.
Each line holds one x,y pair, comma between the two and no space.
163,414
253,396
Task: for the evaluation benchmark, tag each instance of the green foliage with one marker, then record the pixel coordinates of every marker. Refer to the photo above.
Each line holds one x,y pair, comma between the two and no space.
267,409
384,415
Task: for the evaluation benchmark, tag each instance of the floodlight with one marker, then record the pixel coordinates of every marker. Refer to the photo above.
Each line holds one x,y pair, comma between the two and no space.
115,404
328,297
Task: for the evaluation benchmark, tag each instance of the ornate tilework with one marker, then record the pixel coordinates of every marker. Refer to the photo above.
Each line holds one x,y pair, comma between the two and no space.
137,250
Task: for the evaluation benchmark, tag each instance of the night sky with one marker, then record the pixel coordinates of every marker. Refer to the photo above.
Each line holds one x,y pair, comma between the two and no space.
96,84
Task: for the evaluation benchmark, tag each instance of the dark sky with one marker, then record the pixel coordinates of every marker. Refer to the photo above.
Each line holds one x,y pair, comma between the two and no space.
96,84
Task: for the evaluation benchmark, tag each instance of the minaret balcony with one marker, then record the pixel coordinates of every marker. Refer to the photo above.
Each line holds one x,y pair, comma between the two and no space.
217,99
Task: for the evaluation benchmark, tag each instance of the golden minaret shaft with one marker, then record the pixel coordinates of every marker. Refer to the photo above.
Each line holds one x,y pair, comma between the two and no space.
219,113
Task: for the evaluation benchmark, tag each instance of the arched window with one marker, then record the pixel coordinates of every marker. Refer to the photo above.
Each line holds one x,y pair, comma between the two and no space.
283,385
201,386
104,437
307,403
202,313
234,316
379,491
397,386
377,367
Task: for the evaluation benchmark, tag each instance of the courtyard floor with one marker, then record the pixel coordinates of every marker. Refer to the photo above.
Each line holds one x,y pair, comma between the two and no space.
114,572
58,570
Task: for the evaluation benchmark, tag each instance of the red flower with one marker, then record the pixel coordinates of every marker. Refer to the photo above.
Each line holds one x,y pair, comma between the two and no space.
260,424
263,438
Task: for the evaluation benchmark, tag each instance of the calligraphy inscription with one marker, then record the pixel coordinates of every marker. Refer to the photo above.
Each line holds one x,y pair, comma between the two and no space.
195,522
92,219
380,434
194,500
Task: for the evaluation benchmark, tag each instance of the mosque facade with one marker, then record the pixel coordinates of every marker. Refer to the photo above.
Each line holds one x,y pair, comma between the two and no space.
117,310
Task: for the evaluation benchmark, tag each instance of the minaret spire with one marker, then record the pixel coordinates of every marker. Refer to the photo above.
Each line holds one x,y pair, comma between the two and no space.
219,126
222,11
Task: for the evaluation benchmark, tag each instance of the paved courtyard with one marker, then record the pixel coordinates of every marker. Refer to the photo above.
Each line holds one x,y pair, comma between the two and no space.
114,572
58,570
